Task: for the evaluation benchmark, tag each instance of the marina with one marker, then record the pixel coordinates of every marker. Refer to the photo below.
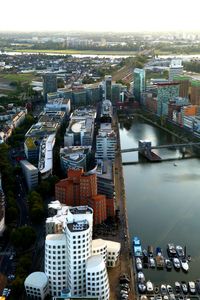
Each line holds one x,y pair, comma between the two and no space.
163,206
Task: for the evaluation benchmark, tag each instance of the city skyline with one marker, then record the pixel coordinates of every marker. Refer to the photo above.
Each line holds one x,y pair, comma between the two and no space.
107,16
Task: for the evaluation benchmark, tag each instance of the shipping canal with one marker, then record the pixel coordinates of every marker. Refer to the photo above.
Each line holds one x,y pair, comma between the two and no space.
163,200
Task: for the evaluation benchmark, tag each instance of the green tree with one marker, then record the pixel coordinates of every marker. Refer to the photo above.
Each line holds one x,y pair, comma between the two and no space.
23,237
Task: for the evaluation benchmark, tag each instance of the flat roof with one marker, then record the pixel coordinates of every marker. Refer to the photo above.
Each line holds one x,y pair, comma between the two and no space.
28,165
81,210
78,226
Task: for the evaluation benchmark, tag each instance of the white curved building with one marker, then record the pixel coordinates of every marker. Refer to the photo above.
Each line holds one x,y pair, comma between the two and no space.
97,278
45,164
36,285
79,240
56,262
113,252
99,247
109,250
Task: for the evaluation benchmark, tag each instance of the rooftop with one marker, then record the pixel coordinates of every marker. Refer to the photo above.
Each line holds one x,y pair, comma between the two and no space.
55,237
78,226
93,262
81,210
30,143
37,279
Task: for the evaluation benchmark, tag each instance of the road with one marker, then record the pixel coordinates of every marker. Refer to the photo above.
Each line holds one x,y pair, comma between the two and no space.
126,263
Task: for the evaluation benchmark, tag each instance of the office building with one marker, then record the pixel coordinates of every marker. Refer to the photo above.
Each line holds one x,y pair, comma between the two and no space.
49,84
74,157
108,87
30,173
106,184
165,93
81,128
109,250
31,149
184,85
106,109
36,285
75,266
95,269
175,68
195,92
105,144
139,83
2,209
81,189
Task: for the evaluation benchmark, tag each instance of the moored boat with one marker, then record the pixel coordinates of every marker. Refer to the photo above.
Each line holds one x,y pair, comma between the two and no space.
137,248
191,287
163,289
198,285
176,263
169,289
140,277
149,286
180,251
156,289
184,287
177,287
142,287
152,263
184,265
168,264
171,250
150,251
138,263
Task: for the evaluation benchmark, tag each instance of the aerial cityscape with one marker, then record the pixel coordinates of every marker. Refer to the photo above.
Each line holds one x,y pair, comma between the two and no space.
99,151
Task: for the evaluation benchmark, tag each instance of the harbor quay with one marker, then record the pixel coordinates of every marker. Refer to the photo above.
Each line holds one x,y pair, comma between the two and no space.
125,263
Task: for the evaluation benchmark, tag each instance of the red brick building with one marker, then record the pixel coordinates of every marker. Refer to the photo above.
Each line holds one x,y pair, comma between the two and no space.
81,189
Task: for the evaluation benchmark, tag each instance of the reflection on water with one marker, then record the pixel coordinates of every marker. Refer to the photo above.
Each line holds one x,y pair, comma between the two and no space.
163,201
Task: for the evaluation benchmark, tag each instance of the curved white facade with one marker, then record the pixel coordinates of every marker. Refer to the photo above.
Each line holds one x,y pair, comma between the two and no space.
79,238
97,278
36,285
99,247
109,250
56,262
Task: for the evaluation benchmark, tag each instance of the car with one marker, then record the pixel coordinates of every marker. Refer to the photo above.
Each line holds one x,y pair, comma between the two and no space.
11,277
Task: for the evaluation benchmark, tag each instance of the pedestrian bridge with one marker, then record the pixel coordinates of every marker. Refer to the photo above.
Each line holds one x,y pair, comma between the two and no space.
141,147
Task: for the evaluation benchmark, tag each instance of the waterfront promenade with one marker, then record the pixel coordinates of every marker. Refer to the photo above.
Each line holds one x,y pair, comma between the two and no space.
126,262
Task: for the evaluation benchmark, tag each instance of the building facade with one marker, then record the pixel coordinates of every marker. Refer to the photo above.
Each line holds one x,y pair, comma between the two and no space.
139,83
49,84
31,174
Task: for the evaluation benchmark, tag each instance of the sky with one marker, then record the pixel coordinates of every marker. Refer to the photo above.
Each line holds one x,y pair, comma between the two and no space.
104,15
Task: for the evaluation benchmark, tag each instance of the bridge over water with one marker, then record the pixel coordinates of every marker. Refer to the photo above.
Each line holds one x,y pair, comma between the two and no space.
163,146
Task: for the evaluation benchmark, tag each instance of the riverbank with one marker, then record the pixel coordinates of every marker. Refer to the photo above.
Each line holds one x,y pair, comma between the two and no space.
126,262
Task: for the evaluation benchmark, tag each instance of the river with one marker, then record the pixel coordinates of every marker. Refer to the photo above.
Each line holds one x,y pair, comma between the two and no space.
163,200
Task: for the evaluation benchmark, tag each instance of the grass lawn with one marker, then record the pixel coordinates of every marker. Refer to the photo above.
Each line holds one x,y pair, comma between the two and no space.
17,77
